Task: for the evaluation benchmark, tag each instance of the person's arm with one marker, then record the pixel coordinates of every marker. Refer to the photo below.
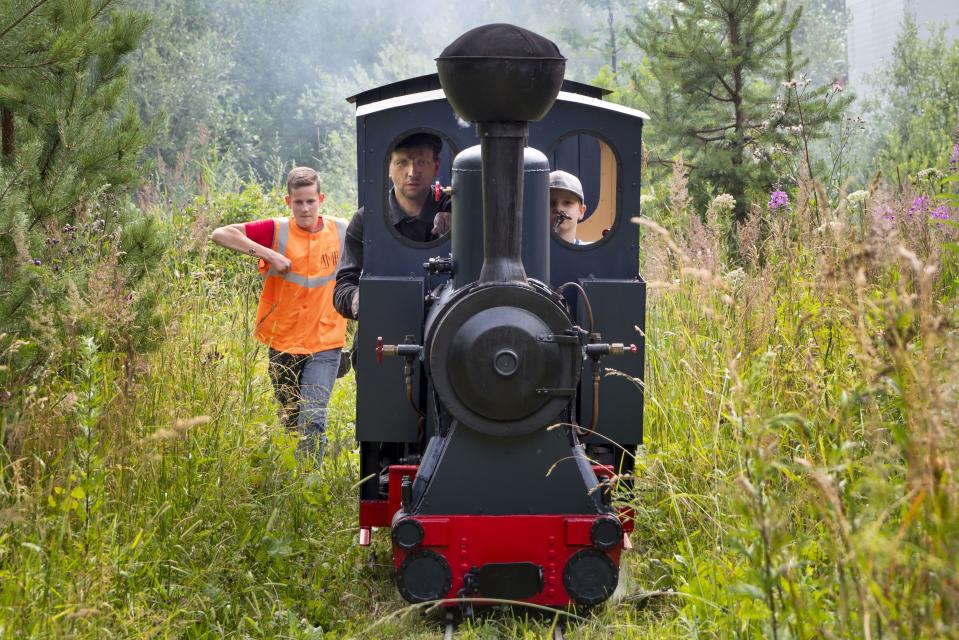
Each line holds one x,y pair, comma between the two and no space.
346,293
233,236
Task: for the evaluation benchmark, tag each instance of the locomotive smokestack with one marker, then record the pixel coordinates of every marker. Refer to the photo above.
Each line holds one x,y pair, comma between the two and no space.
502,77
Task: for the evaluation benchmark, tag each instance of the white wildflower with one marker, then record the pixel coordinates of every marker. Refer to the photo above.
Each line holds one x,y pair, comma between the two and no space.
931,173
857,197
736,277
723,202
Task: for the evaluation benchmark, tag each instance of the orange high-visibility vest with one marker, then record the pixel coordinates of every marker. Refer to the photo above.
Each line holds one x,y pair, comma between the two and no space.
296,313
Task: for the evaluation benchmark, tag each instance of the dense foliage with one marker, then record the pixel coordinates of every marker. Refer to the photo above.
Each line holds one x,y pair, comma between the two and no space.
798,478
75,253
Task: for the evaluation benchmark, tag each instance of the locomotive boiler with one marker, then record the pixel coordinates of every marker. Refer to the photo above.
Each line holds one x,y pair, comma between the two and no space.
488,431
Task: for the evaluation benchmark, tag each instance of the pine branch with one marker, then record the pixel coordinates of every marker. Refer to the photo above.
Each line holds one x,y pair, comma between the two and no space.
38,65
715,97
716,129
12,183
39,4
707,139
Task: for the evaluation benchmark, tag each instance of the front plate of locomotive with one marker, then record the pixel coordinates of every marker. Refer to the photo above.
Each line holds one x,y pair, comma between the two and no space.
494,364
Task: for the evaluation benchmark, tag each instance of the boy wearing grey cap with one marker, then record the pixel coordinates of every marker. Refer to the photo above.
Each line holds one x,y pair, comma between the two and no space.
566,206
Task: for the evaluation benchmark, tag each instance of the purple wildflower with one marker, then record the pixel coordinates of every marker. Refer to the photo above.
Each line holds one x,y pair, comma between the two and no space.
919,205
954,158
778,200
886,212
940,213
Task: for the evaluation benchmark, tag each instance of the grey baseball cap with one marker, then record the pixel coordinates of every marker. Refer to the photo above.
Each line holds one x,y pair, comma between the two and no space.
564,180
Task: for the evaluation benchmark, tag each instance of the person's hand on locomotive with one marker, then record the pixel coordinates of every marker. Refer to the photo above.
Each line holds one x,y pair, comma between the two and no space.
442,223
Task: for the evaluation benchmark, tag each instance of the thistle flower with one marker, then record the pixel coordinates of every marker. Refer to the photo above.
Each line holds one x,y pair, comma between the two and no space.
919,205
778,200
940,213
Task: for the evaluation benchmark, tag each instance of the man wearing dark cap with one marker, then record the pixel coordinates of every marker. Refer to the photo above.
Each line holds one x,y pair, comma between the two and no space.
412,211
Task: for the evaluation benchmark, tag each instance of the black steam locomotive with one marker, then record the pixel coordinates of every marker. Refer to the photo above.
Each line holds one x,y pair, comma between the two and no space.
487,441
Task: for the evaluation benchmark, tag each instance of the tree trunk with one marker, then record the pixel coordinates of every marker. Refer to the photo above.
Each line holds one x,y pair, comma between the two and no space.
612,34
739,131
7,133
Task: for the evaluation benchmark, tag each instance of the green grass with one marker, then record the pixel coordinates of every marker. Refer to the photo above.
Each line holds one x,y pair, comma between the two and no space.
797,479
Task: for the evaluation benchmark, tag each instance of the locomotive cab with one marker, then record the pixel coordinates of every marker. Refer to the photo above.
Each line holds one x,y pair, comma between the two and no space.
484,444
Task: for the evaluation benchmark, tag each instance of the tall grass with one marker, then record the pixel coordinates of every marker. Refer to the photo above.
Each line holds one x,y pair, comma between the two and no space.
801,447
159,495
797,479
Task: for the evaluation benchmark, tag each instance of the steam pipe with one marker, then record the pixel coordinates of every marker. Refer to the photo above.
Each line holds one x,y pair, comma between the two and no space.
501,77
501,146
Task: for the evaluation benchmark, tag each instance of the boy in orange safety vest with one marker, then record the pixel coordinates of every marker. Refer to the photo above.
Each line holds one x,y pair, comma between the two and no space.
295,318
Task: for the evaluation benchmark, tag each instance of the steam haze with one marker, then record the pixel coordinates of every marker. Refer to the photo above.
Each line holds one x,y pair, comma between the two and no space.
264,83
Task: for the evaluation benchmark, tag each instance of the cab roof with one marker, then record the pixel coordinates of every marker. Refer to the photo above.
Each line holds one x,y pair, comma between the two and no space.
431,82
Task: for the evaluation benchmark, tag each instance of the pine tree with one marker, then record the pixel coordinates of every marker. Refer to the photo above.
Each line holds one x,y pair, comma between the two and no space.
710,81
70,146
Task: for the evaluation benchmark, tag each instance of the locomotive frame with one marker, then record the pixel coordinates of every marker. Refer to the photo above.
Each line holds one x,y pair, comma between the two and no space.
397,291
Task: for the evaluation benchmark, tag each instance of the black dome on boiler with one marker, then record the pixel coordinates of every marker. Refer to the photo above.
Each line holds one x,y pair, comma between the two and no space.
502,40
501,73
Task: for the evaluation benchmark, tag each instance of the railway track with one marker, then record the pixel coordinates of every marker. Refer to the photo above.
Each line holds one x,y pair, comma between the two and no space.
450,631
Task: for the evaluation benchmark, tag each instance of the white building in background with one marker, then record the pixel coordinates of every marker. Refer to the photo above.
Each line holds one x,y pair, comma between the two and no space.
875,24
